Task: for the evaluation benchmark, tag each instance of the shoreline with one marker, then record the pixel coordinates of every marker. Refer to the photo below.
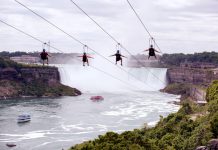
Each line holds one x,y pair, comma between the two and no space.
33,97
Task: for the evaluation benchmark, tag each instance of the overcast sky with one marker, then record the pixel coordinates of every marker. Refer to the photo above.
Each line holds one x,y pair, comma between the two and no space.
179,26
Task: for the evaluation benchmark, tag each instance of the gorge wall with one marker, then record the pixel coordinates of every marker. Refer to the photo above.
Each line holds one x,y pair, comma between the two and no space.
196,79
192,76
32,81
29,74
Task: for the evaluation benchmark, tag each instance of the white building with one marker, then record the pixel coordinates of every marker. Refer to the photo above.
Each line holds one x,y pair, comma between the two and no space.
25,59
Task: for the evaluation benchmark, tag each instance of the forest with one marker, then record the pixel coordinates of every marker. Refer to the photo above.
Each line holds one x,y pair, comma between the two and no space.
176,59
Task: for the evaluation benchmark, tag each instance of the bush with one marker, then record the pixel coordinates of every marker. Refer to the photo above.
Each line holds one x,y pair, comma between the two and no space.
214,125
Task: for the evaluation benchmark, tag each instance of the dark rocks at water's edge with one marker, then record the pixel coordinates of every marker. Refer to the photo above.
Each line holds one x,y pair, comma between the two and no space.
177,89
21,81
212,145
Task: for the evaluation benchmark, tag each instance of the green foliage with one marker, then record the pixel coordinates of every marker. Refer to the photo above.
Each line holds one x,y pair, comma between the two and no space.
39,88
177,88
6,54
4,63
186,109
173,59
212,97
214,125
175,132
212,91
176,59
35,88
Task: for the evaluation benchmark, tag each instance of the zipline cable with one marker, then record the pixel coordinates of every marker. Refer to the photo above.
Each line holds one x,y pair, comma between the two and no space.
77,39
113,38
146,29
50,23
44,43
94,21
37,39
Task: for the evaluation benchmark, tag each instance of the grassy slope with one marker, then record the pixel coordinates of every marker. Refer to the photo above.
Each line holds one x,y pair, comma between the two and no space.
178,131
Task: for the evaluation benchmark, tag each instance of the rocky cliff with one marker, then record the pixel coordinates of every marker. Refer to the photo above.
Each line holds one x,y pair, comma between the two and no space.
30,74
191,76
33,81
190,82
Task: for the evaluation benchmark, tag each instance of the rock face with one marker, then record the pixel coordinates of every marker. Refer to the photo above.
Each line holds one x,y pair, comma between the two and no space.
198,95
201,148
35,81
8,73
29,74
47,75
195,78
212,145
191,76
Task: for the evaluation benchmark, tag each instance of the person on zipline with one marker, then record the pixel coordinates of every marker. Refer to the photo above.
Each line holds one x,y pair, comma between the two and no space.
152,52
44,56
118,57
85,58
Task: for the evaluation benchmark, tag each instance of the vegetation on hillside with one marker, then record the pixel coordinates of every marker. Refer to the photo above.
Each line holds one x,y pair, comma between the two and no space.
190,127
4,63
13,89
178,89
176,59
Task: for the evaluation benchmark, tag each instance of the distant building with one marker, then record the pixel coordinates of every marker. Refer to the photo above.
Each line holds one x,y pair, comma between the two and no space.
26,59
202,65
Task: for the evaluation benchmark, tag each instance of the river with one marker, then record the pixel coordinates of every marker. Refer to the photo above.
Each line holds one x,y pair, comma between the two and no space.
62,122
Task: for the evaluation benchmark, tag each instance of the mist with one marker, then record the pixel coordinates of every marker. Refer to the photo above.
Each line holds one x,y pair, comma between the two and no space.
103,76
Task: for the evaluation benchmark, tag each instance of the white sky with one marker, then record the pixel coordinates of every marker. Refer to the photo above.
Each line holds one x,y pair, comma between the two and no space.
179,26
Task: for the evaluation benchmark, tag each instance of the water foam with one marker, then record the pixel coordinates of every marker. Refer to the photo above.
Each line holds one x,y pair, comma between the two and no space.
88,79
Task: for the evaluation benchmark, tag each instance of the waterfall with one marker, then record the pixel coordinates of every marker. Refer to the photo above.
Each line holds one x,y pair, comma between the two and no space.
88,79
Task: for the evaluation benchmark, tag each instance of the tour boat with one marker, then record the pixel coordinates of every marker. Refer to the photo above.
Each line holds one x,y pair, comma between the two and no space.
10,145
97,98
23,118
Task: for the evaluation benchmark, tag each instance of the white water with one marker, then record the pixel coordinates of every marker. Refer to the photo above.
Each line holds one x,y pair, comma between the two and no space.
91,80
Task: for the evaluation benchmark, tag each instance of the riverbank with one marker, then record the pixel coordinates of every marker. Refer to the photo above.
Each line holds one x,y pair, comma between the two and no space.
20,81
194,93
15,89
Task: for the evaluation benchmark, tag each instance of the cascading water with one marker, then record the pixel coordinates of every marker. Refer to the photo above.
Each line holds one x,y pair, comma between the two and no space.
89,79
